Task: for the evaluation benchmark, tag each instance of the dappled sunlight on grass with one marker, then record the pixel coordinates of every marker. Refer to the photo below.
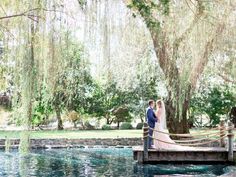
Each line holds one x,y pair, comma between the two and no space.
80,134
77,134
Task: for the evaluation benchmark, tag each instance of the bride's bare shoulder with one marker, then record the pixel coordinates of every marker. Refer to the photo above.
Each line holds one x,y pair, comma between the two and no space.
158,113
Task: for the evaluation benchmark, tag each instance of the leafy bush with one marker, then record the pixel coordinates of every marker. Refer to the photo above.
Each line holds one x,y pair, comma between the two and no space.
74,117
214,101
106,127
121,115
126,126
41,112
139,125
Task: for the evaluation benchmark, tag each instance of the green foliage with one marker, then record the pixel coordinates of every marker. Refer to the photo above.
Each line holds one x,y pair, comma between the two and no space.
106,127
105,99
139,126
74,117
146,10
42,108
126,126
215,102
165,6
82,2
75,89
145,90
74,84
121,115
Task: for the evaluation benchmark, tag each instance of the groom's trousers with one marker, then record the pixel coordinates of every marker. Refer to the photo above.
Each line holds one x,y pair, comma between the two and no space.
150,132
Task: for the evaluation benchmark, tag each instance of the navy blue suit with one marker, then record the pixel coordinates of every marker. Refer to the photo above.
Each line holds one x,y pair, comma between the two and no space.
151,120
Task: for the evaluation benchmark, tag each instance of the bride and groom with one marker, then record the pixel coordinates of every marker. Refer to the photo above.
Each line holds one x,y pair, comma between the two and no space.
156,120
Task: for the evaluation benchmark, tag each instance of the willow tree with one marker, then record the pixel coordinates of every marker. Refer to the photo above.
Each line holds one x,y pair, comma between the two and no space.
24,62
29,72
184,34
21,21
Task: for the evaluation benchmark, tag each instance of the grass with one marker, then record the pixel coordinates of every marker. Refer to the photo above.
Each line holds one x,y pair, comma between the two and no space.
80,134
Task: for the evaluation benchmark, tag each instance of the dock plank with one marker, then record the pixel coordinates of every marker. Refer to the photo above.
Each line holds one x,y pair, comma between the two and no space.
186,154
188,149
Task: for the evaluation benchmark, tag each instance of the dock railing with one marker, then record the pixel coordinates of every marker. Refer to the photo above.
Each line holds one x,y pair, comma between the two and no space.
222,133
198,139
230,142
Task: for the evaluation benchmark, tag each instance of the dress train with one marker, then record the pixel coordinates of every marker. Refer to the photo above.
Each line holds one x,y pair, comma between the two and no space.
163,137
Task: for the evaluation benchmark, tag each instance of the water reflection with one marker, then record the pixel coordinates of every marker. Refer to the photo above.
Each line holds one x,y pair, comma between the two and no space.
23,167
180,170
95,162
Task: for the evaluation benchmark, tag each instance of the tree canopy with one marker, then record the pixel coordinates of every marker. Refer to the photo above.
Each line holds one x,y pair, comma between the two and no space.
106,59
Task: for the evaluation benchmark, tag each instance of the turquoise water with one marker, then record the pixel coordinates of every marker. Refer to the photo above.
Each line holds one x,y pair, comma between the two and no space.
96,162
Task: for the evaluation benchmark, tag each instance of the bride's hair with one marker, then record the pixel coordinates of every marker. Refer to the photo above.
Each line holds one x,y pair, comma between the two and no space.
162,115
159,103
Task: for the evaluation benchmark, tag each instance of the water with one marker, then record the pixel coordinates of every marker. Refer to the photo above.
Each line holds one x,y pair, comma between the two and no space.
96,162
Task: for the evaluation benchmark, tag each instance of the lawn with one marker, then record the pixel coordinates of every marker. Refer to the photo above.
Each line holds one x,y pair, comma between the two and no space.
76,134
84,134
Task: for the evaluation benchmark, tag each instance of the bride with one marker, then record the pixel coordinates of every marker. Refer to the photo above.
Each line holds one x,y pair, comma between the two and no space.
160,126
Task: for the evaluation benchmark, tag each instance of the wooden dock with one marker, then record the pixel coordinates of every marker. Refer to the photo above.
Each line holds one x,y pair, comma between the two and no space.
225,153
188,155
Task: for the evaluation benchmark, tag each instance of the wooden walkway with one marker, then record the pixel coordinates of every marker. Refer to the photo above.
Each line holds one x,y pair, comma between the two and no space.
185,155
190,151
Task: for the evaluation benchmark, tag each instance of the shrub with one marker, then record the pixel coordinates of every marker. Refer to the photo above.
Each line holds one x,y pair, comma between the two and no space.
126,126
74,117
139,125
121,115
106,127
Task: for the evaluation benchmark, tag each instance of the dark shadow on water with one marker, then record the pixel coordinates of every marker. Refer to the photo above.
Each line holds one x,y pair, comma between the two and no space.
150,170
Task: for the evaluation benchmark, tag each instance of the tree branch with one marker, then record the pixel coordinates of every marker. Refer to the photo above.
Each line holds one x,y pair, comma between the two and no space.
26,13
12,16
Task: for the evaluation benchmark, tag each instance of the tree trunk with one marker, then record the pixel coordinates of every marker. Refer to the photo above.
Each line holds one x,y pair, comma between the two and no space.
177,121
180,83
75,125
109,120
118,125
59,120
177,103
141,118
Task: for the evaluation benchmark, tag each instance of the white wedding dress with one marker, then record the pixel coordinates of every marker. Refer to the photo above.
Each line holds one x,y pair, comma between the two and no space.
162,140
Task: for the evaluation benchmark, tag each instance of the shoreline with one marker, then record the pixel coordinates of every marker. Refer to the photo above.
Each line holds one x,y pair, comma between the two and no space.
56,143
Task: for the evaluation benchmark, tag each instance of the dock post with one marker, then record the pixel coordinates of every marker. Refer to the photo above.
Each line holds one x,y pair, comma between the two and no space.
230,142
145,141
222,133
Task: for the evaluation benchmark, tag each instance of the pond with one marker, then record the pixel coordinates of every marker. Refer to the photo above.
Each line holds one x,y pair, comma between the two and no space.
95,162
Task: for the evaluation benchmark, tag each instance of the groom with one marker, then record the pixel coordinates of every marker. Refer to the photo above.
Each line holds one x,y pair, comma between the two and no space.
151,119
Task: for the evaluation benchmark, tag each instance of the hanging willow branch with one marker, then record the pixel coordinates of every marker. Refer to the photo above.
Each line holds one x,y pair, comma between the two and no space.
199,67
